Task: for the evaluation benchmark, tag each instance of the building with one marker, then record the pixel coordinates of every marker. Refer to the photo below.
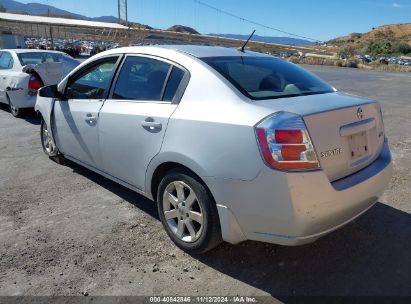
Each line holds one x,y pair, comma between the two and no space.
10,41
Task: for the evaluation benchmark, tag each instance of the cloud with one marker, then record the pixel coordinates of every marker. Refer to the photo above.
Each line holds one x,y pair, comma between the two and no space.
396,5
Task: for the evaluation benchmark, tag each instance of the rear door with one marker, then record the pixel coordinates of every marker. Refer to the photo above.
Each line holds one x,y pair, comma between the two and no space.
77,117
134,119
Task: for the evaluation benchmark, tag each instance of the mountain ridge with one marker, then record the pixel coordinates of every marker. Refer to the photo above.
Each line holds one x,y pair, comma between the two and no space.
39,9
267,39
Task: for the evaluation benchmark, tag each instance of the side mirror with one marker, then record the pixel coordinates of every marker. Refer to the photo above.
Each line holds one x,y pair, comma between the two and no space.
51,92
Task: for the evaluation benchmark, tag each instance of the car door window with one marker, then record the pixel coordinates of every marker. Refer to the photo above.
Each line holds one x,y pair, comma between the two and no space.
173,83
6,61
141,78
94,82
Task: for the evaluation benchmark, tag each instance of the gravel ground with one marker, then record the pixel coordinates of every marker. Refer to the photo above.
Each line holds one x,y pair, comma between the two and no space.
67,231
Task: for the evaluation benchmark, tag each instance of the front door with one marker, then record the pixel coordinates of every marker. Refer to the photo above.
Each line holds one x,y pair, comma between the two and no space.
134,120
77,116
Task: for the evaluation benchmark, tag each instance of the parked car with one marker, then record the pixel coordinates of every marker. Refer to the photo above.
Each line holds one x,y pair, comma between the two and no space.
231,145
23,72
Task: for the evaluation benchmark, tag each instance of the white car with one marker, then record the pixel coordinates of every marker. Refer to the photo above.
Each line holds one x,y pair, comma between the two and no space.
232,145
23,72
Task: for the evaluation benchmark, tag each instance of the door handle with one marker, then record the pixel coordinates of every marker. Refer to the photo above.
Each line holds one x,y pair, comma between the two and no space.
90,118
151,125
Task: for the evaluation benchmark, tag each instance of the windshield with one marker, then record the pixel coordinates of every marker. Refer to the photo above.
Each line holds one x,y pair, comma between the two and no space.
267,77
39,57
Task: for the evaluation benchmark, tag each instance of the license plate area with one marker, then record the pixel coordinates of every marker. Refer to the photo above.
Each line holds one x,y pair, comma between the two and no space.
359,146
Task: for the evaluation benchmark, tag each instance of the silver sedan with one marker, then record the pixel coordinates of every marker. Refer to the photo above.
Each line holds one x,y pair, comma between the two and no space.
232,145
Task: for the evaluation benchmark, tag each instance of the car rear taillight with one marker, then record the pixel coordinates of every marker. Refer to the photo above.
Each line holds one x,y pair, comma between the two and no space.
285,143
34,84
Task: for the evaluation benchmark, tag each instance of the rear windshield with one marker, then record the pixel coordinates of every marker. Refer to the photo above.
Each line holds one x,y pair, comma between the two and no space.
39,57
267,77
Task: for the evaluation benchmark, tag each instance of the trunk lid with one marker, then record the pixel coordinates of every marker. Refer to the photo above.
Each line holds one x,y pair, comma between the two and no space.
49,72
347,132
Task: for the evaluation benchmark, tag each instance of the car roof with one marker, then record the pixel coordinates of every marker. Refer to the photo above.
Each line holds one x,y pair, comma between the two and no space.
202,51
198,51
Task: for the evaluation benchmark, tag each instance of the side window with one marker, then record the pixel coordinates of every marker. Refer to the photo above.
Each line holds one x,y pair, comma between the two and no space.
141,78
6,61
94,82
173,84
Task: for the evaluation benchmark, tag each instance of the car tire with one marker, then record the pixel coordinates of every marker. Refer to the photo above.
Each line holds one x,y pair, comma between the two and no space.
189,215
15,111
49,146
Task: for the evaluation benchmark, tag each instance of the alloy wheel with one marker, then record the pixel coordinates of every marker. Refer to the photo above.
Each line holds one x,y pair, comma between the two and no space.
47,140
14,110
183,212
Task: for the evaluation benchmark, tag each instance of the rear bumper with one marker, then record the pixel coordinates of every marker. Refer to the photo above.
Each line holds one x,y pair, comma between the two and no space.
296,208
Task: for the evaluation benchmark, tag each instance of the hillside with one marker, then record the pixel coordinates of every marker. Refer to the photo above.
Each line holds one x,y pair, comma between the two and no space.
182,29
393,32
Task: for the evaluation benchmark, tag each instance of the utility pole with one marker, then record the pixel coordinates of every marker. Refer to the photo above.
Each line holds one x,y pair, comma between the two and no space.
119,11
51,31
126,5
122,12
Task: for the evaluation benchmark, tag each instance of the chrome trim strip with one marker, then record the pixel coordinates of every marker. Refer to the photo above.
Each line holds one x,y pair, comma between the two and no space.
357,127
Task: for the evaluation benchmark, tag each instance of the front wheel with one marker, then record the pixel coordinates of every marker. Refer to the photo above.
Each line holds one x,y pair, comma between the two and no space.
188,212
49,147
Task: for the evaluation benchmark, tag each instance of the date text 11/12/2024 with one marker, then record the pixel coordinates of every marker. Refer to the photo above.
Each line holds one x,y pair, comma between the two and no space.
205,299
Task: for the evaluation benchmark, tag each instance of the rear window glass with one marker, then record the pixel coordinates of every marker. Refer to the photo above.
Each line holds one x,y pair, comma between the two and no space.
267,77
39,57
174,81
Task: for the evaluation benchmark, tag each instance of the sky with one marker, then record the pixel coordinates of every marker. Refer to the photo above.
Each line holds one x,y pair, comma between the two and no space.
318,19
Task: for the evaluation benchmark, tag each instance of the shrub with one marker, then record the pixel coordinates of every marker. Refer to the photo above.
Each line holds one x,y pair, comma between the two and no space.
352,63
294,59
401,48
346,52
339,63
379,48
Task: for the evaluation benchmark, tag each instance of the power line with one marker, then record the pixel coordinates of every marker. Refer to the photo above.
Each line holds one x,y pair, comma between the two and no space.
254,22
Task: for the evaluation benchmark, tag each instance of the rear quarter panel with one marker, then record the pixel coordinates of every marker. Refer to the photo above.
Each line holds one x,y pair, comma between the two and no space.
17,89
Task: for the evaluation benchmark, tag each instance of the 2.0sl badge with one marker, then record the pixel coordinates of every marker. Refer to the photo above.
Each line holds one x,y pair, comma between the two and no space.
330,153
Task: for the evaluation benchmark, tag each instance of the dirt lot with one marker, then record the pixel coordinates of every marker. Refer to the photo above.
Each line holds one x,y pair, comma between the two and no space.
65,230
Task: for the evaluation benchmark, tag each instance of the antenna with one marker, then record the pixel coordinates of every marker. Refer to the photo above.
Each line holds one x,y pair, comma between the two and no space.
245,44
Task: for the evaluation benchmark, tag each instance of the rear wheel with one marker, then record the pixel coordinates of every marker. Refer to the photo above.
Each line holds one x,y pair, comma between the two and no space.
15,111
49,147
188,212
